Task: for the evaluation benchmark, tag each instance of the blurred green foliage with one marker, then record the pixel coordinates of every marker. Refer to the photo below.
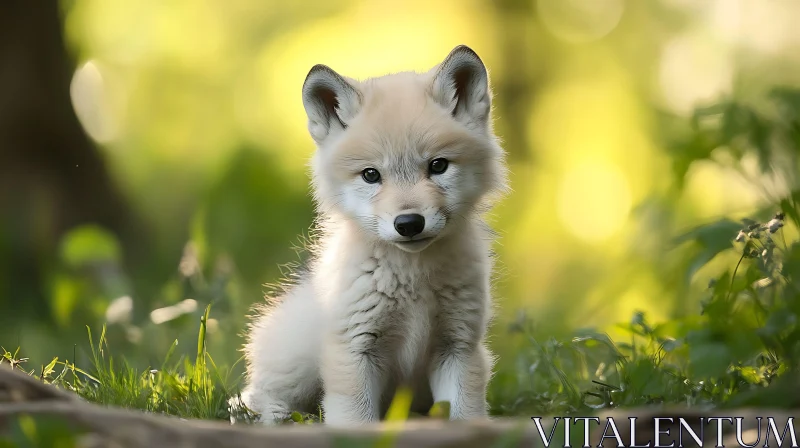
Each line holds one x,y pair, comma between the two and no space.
740,349
203,129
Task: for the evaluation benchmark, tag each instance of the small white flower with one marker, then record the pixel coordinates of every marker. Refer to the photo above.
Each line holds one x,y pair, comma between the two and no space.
774,225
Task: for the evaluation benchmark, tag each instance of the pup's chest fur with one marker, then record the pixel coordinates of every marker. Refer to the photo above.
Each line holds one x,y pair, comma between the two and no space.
398,309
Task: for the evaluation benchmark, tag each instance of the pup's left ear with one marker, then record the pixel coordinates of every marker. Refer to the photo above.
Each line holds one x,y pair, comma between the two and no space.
461,85
331,102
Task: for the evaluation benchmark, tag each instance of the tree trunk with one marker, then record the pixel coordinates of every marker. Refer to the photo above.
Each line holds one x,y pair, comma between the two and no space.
51,175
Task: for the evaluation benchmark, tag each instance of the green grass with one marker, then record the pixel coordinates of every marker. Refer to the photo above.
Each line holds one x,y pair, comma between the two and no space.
184,387
741,349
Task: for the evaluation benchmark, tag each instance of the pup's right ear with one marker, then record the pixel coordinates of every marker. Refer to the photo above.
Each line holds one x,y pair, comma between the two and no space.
331,102
461,85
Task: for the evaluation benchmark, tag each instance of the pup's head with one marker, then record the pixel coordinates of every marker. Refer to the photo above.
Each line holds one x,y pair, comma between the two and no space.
407,156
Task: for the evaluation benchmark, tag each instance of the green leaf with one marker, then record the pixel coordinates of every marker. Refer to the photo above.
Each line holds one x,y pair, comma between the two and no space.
716,236
709,359
640,373
790,210
751,375
89,244
778,322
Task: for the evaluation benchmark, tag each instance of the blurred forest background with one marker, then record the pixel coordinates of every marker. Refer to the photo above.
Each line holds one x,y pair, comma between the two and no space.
153,154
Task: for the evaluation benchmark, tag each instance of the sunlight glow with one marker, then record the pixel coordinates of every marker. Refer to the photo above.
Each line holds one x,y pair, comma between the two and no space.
404,38
594,200
716,190
768,27
589,134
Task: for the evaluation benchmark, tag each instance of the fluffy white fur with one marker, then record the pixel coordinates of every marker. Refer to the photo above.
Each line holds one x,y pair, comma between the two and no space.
376,309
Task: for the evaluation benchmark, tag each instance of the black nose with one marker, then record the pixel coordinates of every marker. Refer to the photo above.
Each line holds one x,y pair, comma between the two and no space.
409,225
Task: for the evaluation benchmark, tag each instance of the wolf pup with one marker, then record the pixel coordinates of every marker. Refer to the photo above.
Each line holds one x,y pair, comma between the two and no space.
397,292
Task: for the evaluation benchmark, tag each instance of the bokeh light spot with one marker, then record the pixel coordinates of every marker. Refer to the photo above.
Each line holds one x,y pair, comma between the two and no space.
694,70
580,20
91,105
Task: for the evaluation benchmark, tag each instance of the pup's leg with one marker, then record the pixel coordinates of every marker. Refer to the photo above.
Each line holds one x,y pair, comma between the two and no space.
461,377
352,381
461,365
283,359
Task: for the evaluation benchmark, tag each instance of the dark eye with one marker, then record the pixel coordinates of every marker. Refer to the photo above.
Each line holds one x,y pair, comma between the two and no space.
438,166
371,175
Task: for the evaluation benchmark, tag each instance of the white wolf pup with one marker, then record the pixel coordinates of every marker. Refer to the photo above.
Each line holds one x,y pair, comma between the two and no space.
398,288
